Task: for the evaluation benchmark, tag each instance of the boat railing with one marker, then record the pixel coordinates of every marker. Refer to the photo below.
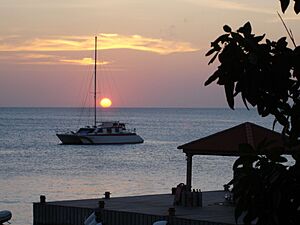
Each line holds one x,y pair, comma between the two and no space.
131,130
64,131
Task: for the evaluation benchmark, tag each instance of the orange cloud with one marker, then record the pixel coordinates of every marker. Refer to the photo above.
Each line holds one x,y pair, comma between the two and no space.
84,61
47,59
106,41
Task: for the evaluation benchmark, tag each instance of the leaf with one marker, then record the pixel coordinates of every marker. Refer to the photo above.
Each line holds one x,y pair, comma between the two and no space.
284,4
277,196
281,118
212,78
213,58
260,109
296,156
244,100
221,39
283,106
259,38
277,158
245,161
274,124
211,51
237,213
227,28
229,88
249,217
237,37
282,43
297,6
246,29
239,161
216,45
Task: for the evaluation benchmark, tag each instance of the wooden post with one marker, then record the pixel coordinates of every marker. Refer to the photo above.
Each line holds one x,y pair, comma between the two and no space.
42,199
171,218
171,211
189,171
101,204
107,195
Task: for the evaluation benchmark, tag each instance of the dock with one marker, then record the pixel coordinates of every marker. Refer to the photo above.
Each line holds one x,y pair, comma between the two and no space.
136,210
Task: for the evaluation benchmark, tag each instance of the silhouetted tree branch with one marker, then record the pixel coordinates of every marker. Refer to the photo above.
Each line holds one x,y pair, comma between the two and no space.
266,74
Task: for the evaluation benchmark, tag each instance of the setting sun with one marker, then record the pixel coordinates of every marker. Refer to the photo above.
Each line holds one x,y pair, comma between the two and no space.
105,102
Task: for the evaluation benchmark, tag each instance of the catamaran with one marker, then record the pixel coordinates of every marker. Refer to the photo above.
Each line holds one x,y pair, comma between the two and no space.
105,132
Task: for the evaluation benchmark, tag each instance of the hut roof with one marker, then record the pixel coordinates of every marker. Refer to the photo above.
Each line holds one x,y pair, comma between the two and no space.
227,141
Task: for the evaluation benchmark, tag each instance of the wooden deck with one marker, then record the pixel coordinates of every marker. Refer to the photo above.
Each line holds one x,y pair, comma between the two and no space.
136,210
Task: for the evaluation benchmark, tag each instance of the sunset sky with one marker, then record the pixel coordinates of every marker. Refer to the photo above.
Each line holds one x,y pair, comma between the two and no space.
151,52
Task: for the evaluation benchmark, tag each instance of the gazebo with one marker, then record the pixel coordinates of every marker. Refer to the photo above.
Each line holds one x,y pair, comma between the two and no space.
226,143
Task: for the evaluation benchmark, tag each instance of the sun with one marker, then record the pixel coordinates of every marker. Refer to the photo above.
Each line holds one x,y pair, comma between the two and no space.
105,102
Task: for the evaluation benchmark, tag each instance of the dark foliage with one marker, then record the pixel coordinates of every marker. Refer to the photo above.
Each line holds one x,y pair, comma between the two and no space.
266,191
285,4
266,74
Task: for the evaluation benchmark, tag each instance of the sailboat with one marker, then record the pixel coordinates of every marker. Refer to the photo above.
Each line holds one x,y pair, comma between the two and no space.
105,132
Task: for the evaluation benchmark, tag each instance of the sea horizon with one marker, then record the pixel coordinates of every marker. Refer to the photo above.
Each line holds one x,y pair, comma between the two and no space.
34,162
131,107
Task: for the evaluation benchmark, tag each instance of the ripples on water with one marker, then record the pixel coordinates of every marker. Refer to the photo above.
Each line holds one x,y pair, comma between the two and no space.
33,162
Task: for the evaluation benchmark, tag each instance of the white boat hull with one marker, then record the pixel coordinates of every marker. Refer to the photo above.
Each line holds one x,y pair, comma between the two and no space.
131,138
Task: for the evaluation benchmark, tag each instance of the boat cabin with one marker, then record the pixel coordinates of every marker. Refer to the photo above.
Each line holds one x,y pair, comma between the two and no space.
104,128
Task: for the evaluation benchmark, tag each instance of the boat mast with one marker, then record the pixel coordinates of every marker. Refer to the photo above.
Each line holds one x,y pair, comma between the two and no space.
95,84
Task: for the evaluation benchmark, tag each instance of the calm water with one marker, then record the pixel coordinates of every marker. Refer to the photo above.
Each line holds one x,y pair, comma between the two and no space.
33,162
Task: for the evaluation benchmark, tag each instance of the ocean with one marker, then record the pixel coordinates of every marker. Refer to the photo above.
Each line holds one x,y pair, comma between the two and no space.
33,163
